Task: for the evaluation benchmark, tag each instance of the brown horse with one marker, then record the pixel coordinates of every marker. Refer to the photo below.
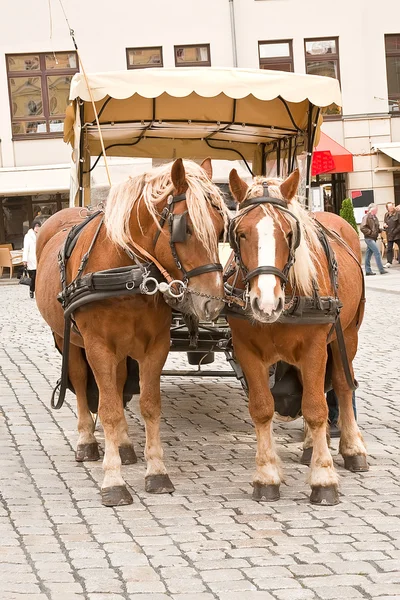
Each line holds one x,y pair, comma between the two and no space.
136,326
277,242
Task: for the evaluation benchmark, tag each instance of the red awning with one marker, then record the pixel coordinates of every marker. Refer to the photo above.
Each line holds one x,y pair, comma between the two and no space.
331,157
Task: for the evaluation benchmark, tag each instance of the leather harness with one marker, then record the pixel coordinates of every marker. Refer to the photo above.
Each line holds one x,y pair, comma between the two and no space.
299,310
144,277
122,281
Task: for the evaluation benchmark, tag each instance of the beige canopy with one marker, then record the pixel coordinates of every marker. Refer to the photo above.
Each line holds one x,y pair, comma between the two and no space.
196,112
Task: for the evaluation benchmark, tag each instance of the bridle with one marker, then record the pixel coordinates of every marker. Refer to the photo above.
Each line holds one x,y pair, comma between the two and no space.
177,225
246,207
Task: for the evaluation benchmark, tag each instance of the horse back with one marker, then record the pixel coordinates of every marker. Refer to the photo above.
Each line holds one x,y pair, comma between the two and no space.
348,235
63,219
342,228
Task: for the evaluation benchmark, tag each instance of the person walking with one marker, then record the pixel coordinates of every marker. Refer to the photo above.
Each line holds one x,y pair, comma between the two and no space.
392,227
371,229
29,254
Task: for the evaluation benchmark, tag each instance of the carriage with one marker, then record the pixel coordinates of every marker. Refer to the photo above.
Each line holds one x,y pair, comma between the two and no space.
269,121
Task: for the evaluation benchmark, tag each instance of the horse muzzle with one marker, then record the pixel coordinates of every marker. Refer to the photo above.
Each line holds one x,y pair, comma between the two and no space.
265,312
207,309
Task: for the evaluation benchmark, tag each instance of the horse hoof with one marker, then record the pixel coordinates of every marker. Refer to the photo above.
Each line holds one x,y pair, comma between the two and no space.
306,456
325,496
87,452
265,493
356,464
159,484
116,495
128,455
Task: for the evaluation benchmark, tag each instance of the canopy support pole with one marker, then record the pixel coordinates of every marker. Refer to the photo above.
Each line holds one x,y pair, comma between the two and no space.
81,159
311,133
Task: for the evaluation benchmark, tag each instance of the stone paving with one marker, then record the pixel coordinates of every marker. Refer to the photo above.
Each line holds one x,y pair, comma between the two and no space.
208,540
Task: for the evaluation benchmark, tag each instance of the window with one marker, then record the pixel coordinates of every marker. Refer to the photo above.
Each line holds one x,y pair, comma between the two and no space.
322,57
392,45
196,55
39,92
276,55
140,58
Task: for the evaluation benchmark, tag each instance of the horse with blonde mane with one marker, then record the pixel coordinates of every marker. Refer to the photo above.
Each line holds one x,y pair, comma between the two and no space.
105,333
280,255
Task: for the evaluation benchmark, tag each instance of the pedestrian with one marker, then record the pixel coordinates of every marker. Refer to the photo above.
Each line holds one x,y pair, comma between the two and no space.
29,254
371,229
392,227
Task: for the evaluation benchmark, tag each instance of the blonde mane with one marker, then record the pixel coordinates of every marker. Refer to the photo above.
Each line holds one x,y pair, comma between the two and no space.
152,188
304,270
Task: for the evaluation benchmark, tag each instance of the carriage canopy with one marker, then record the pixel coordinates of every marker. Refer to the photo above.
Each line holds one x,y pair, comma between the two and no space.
228,114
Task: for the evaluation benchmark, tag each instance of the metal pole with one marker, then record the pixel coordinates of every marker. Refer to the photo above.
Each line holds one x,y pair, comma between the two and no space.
233,32
311,131
81,154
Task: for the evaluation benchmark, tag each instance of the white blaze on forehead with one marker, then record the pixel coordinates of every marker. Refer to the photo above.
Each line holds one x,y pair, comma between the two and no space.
266,258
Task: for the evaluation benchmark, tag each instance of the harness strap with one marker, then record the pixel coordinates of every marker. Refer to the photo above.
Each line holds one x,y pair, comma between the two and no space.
339,240
144,252
352,383
62,383
266,271
263,200
203,269
333,274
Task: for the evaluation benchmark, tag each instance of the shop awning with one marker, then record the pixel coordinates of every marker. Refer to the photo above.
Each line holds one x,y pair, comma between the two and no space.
331,157
44,179
391,149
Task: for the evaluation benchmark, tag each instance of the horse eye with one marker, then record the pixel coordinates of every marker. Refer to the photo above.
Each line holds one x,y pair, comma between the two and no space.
242,236
188,230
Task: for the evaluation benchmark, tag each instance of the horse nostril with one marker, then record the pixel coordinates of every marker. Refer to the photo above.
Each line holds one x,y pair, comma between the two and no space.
279,305
256,303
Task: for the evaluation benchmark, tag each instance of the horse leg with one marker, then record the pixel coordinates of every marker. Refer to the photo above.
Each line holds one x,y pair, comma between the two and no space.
126,449
104,365
157,480
351,445
87,446
307,446
323,477
268,475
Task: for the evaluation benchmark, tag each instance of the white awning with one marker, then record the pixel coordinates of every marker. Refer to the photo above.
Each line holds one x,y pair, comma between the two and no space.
391,149
21,181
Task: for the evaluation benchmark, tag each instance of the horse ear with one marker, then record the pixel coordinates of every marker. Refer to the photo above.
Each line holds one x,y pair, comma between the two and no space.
207,167
178,176
237,186
290,185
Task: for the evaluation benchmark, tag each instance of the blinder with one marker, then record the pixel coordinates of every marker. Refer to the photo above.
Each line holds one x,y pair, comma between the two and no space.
179,228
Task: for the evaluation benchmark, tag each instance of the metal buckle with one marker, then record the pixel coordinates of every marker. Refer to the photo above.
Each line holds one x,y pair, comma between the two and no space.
180,284
246,296
144,286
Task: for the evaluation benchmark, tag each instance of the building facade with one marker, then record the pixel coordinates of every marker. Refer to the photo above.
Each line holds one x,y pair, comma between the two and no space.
355,42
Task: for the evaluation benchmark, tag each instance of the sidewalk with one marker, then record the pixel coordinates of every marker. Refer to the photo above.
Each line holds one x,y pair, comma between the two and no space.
385,283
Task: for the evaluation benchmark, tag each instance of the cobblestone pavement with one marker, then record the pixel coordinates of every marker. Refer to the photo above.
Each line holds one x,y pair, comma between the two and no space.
208,540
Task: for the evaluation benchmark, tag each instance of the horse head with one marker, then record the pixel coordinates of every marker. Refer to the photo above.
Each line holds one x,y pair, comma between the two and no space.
177,215
265,235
